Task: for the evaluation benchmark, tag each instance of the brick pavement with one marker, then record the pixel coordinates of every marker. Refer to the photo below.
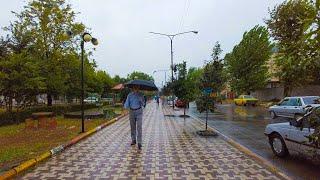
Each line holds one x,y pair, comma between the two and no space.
171,150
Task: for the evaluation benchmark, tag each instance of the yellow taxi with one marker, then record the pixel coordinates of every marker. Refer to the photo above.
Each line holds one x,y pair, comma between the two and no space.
245,100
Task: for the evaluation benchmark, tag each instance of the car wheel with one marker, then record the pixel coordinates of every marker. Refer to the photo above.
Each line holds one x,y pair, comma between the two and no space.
278,145
273,115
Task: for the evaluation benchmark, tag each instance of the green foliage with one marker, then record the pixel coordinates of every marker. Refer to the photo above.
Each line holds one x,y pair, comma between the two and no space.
139,75
295,27
38,57
12,72
184,87
118,80
99,81
214,77
194,76
204,103
314,122
246,64
40,28
19,79
19,116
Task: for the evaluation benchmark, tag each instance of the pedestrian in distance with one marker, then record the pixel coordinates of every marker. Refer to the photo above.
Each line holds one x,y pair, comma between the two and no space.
157,99
135,102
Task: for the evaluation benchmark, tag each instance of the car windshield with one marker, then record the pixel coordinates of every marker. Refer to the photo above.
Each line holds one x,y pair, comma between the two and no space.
311,100
247,97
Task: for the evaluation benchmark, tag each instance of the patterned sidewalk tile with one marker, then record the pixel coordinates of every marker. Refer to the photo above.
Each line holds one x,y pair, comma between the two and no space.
171,150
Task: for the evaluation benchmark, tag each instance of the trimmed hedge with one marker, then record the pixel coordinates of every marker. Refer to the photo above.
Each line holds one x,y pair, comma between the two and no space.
7,118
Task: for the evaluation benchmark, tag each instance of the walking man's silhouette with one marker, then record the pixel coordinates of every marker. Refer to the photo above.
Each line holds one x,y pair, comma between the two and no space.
135,102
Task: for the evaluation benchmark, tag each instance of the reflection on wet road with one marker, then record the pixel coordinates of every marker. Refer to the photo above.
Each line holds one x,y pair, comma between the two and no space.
246,126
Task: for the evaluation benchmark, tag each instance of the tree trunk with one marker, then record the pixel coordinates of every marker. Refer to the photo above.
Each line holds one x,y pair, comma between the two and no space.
49,99
184,111
10,104
287,90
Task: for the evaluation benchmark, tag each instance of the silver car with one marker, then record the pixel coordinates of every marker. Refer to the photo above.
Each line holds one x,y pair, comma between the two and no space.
293,107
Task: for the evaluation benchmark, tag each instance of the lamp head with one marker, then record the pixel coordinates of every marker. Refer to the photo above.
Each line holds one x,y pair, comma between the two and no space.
94,41
86,37
196,32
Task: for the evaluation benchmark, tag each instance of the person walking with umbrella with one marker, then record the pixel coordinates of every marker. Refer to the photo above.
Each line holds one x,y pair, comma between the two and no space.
135,102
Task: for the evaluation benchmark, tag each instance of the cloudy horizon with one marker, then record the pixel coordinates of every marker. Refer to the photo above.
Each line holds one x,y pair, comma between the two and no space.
123,27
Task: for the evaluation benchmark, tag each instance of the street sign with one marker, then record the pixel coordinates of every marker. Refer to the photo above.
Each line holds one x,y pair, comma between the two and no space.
207,90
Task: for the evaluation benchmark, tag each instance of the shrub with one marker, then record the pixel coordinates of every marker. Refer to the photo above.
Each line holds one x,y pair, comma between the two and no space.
7,118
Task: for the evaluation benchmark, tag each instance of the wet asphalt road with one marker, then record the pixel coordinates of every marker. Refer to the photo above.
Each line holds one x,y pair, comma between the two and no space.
246,126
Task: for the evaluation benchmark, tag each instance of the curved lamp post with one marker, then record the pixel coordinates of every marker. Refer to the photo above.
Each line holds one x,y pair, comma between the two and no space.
165,74
171,37
86,37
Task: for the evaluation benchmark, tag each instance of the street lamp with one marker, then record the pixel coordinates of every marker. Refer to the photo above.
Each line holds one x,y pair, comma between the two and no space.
86,37
165,73
171,36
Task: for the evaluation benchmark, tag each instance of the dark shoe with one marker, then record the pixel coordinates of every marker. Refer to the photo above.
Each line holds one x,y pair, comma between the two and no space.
133,143
139,146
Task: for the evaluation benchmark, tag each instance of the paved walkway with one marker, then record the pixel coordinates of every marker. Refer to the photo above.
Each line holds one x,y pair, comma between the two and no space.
171,150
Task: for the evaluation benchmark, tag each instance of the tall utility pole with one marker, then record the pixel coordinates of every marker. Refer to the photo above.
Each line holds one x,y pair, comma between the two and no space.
171,37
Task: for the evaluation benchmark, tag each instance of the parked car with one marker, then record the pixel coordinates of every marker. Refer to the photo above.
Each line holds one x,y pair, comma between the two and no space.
170,100
293,107
180,104
91,100
245,100
292,137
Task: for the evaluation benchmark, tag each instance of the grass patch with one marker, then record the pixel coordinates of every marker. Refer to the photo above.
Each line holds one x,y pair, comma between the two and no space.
18,144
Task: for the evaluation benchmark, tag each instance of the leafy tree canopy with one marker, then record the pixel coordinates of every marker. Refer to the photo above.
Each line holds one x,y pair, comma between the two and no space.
139,75
246,64
295,27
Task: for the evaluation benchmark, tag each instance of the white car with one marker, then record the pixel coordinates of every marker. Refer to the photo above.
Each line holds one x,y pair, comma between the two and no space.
91,100
291,137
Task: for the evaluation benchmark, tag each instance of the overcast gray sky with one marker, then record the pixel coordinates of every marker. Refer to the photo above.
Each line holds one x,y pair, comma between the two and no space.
122,28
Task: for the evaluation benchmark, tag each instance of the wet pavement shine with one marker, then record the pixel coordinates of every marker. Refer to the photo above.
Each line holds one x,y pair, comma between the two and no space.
246,126
171,150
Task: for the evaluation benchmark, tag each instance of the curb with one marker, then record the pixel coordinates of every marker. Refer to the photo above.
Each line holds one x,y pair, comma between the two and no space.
248,152
32,162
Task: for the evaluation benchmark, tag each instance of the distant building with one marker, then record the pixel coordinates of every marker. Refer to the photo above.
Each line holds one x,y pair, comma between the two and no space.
274,89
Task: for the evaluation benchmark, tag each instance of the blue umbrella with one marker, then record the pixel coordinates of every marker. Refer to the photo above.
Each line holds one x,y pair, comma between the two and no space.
143,85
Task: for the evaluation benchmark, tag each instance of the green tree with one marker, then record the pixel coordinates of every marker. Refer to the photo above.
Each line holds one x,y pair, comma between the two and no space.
213,77
183,87
139,75
194,76
246,64
45,22
104,82
19,72
19,80
118,80
295,27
